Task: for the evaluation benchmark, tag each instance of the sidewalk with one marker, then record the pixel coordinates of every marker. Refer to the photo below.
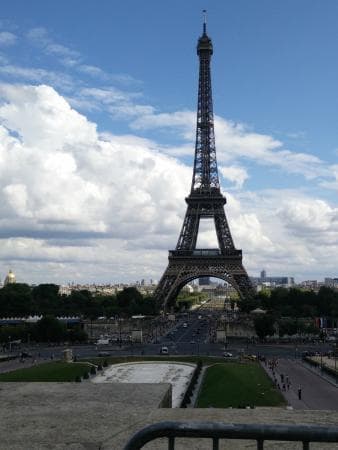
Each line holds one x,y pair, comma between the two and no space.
291,395
317,392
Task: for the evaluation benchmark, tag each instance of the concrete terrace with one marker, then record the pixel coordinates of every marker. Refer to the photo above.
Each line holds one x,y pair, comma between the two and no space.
85,416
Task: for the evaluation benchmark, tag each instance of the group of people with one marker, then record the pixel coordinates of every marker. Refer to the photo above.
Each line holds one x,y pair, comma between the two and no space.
284,382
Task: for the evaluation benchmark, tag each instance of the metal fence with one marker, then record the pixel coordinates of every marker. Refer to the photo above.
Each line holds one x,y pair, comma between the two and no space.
216,431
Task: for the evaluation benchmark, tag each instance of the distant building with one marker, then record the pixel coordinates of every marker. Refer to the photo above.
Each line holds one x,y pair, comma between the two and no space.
10,278
310,284
331,282
263,280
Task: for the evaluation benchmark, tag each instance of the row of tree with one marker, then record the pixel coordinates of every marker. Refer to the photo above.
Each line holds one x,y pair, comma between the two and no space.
291,311
47,329
20,300
296,303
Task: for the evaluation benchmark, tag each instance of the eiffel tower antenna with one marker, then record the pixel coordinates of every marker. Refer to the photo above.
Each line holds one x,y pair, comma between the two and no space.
204,21
205,200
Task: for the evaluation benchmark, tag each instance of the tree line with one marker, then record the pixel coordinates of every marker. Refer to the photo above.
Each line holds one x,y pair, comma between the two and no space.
47,329
22,300
292,311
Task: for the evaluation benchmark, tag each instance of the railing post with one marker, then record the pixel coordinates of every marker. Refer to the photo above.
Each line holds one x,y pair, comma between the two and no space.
260,444
171,443
215,443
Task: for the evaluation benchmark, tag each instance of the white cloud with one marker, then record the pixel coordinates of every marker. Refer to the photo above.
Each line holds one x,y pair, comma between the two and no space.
235,174
235,141
331,184
309,216
79,205
70,181
40,37
7,38
29,74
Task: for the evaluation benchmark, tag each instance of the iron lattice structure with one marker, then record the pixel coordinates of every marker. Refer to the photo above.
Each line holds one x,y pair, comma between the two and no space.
204,201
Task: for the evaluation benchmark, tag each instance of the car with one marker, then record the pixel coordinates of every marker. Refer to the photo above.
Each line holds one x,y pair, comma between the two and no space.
25,355
164,350
227,354
185,325
103,354
250,357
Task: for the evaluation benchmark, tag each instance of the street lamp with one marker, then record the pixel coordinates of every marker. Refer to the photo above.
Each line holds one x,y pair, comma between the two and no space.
119,321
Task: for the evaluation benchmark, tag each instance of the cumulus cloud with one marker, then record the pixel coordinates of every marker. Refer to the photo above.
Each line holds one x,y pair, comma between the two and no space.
68,178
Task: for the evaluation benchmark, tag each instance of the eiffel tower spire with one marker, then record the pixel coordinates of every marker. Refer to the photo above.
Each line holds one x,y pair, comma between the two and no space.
204,201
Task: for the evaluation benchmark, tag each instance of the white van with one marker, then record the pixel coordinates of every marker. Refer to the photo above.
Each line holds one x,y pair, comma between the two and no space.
164,351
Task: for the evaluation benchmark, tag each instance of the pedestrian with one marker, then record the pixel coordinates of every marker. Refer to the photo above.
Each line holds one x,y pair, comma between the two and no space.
299,393
281,377
284,389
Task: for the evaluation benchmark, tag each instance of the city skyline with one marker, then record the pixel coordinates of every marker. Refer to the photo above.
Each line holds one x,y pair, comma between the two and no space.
97,126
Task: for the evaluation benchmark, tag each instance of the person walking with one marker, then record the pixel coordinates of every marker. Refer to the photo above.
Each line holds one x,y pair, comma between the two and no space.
299,393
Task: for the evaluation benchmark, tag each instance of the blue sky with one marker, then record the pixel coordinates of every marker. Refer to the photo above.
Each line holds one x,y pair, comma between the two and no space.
129,69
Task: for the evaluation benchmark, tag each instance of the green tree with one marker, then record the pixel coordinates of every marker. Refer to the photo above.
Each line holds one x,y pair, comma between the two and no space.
49,329
46,299
127,296
15,300
264,326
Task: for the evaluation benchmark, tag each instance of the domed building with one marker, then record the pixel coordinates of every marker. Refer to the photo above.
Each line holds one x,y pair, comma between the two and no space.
10,278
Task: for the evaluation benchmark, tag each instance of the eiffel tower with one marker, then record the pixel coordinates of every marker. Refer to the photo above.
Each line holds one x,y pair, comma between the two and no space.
205,200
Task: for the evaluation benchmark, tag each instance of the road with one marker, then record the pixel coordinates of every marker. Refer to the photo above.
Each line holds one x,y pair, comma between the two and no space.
190,334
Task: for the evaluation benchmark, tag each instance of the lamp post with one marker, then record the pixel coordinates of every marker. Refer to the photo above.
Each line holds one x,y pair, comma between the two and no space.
119,321
335,361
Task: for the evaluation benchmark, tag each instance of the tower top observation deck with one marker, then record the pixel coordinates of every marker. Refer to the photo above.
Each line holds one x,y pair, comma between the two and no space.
204,45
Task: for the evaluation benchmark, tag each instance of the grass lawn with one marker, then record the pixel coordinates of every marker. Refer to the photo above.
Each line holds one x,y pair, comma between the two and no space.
237,385
51,371
60,371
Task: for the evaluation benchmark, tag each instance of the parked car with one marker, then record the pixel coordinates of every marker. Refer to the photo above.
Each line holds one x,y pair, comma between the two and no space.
103,354
227,354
